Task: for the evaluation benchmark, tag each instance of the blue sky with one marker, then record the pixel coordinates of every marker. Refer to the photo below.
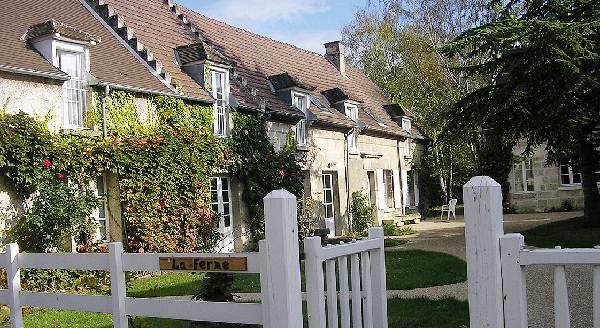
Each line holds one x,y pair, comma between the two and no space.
305,23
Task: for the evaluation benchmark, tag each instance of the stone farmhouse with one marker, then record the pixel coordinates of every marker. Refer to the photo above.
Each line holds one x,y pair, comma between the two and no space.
350,135
536,187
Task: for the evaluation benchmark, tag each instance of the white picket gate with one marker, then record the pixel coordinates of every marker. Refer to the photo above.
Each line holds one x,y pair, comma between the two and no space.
496,263
367,276
277,262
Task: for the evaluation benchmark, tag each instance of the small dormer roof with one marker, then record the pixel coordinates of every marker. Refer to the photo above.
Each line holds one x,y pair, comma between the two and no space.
286,80
199,52
52,26
396,110
337,94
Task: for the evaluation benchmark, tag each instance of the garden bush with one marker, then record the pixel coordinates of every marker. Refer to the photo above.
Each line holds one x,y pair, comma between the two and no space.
363,214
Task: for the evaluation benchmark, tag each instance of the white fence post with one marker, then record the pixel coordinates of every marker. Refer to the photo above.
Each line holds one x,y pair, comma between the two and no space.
118,288
483,229
315,286
513,281
281,231
13,276
378,283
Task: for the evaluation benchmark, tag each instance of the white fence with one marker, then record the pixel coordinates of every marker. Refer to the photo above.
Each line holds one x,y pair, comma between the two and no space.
277,262
367,276
496,262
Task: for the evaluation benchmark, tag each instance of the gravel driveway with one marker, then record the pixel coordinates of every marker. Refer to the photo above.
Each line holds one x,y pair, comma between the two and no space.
449,238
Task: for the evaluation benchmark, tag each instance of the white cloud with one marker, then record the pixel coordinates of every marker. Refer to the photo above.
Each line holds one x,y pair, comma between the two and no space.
265,11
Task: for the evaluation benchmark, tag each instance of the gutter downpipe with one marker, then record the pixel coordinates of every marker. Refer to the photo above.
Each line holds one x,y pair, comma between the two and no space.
346,167
104,98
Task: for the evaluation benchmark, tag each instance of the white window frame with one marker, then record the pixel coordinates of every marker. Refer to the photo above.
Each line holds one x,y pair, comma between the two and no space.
351,111
385,183
326,190
570,174
220,202
103,199
407,124
75,86
301,126
521,168
220,112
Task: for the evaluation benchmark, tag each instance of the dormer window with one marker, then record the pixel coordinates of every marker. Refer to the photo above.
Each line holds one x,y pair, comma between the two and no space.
406,124
299,101
220,91
351,112
75,94
66,48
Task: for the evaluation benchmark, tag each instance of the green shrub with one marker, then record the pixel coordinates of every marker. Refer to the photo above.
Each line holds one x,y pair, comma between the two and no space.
363,214
392,230
389,229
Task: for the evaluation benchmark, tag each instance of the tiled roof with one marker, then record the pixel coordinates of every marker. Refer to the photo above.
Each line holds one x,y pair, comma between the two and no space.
155,32
110,61
259,57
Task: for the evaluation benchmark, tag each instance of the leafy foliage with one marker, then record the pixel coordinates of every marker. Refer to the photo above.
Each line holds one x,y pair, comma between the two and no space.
395,43
261,168
363,214
543,63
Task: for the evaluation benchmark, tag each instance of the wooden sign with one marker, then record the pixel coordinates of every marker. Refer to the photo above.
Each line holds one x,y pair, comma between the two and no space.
203,264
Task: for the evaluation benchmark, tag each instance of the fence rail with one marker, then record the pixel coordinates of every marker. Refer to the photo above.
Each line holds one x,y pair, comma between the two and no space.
366,277
277,261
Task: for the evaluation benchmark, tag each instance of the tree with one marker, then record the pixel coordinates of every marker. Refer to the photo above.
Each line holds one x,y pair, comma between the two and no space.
543,62
394,42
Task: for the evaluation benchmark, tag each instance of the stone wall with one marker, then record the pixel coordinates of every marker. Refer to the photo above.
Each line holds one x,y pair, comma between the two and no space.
548,193
39,97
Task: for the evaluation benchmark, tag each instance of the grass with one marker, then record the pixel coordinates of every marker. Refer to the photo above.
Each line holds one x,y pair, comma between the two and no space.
405,270
570,233
417,269
426,313
394,242
402,313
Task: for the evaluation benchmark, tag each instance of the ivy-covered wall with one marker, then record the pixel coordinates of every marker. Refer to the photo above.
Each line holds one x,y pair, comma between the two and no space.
163,152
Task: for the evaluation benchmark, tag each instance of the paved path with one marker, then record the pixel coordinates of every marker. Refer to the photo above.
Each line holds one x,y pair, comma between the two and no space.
448,237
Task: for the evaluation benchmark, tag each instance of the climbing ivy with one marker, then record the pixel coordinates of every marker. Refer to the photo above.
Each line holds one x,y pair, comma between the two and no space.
163,152
261,168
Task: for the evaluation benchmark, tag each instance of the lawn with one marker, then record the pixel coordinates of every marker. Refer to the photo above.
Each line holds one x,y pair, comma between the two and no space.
405,270
402,313
570,233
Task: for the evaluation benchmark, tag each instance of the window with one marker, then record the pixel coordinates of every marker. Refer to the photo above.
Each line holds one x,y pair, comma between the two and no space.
406,124
101,213
352,112
73,63
406,148
220,199
220,93
299,101
388,188
328,197
570,174
523,179
372,189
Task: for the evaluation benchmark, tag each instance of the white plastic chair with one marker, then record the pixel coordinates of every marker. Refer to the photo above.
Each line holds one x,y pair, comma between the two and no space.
450,208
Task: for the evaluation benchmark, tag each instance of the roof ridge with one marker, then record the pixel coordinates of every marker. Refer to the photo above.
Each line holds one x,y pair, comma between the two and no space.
246,31
117,23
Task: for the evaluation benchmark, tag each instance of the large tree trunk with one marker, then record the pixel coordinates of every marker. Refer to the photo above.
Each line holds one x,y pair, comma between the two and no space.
591,196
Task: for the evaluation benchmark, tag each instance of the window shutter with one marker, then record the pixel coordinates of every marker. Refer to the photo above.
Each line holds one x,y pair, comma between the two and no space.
380,200
404,176
397,190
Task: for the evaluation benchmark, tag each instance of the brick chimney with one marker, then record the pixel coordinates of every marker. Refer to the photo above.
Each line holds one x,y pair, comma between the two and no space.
334,52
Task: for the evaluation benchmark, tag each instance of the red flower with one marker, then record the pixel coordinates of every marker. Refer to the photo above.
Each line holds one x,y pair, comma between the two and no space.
281,173
60,176
46,163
